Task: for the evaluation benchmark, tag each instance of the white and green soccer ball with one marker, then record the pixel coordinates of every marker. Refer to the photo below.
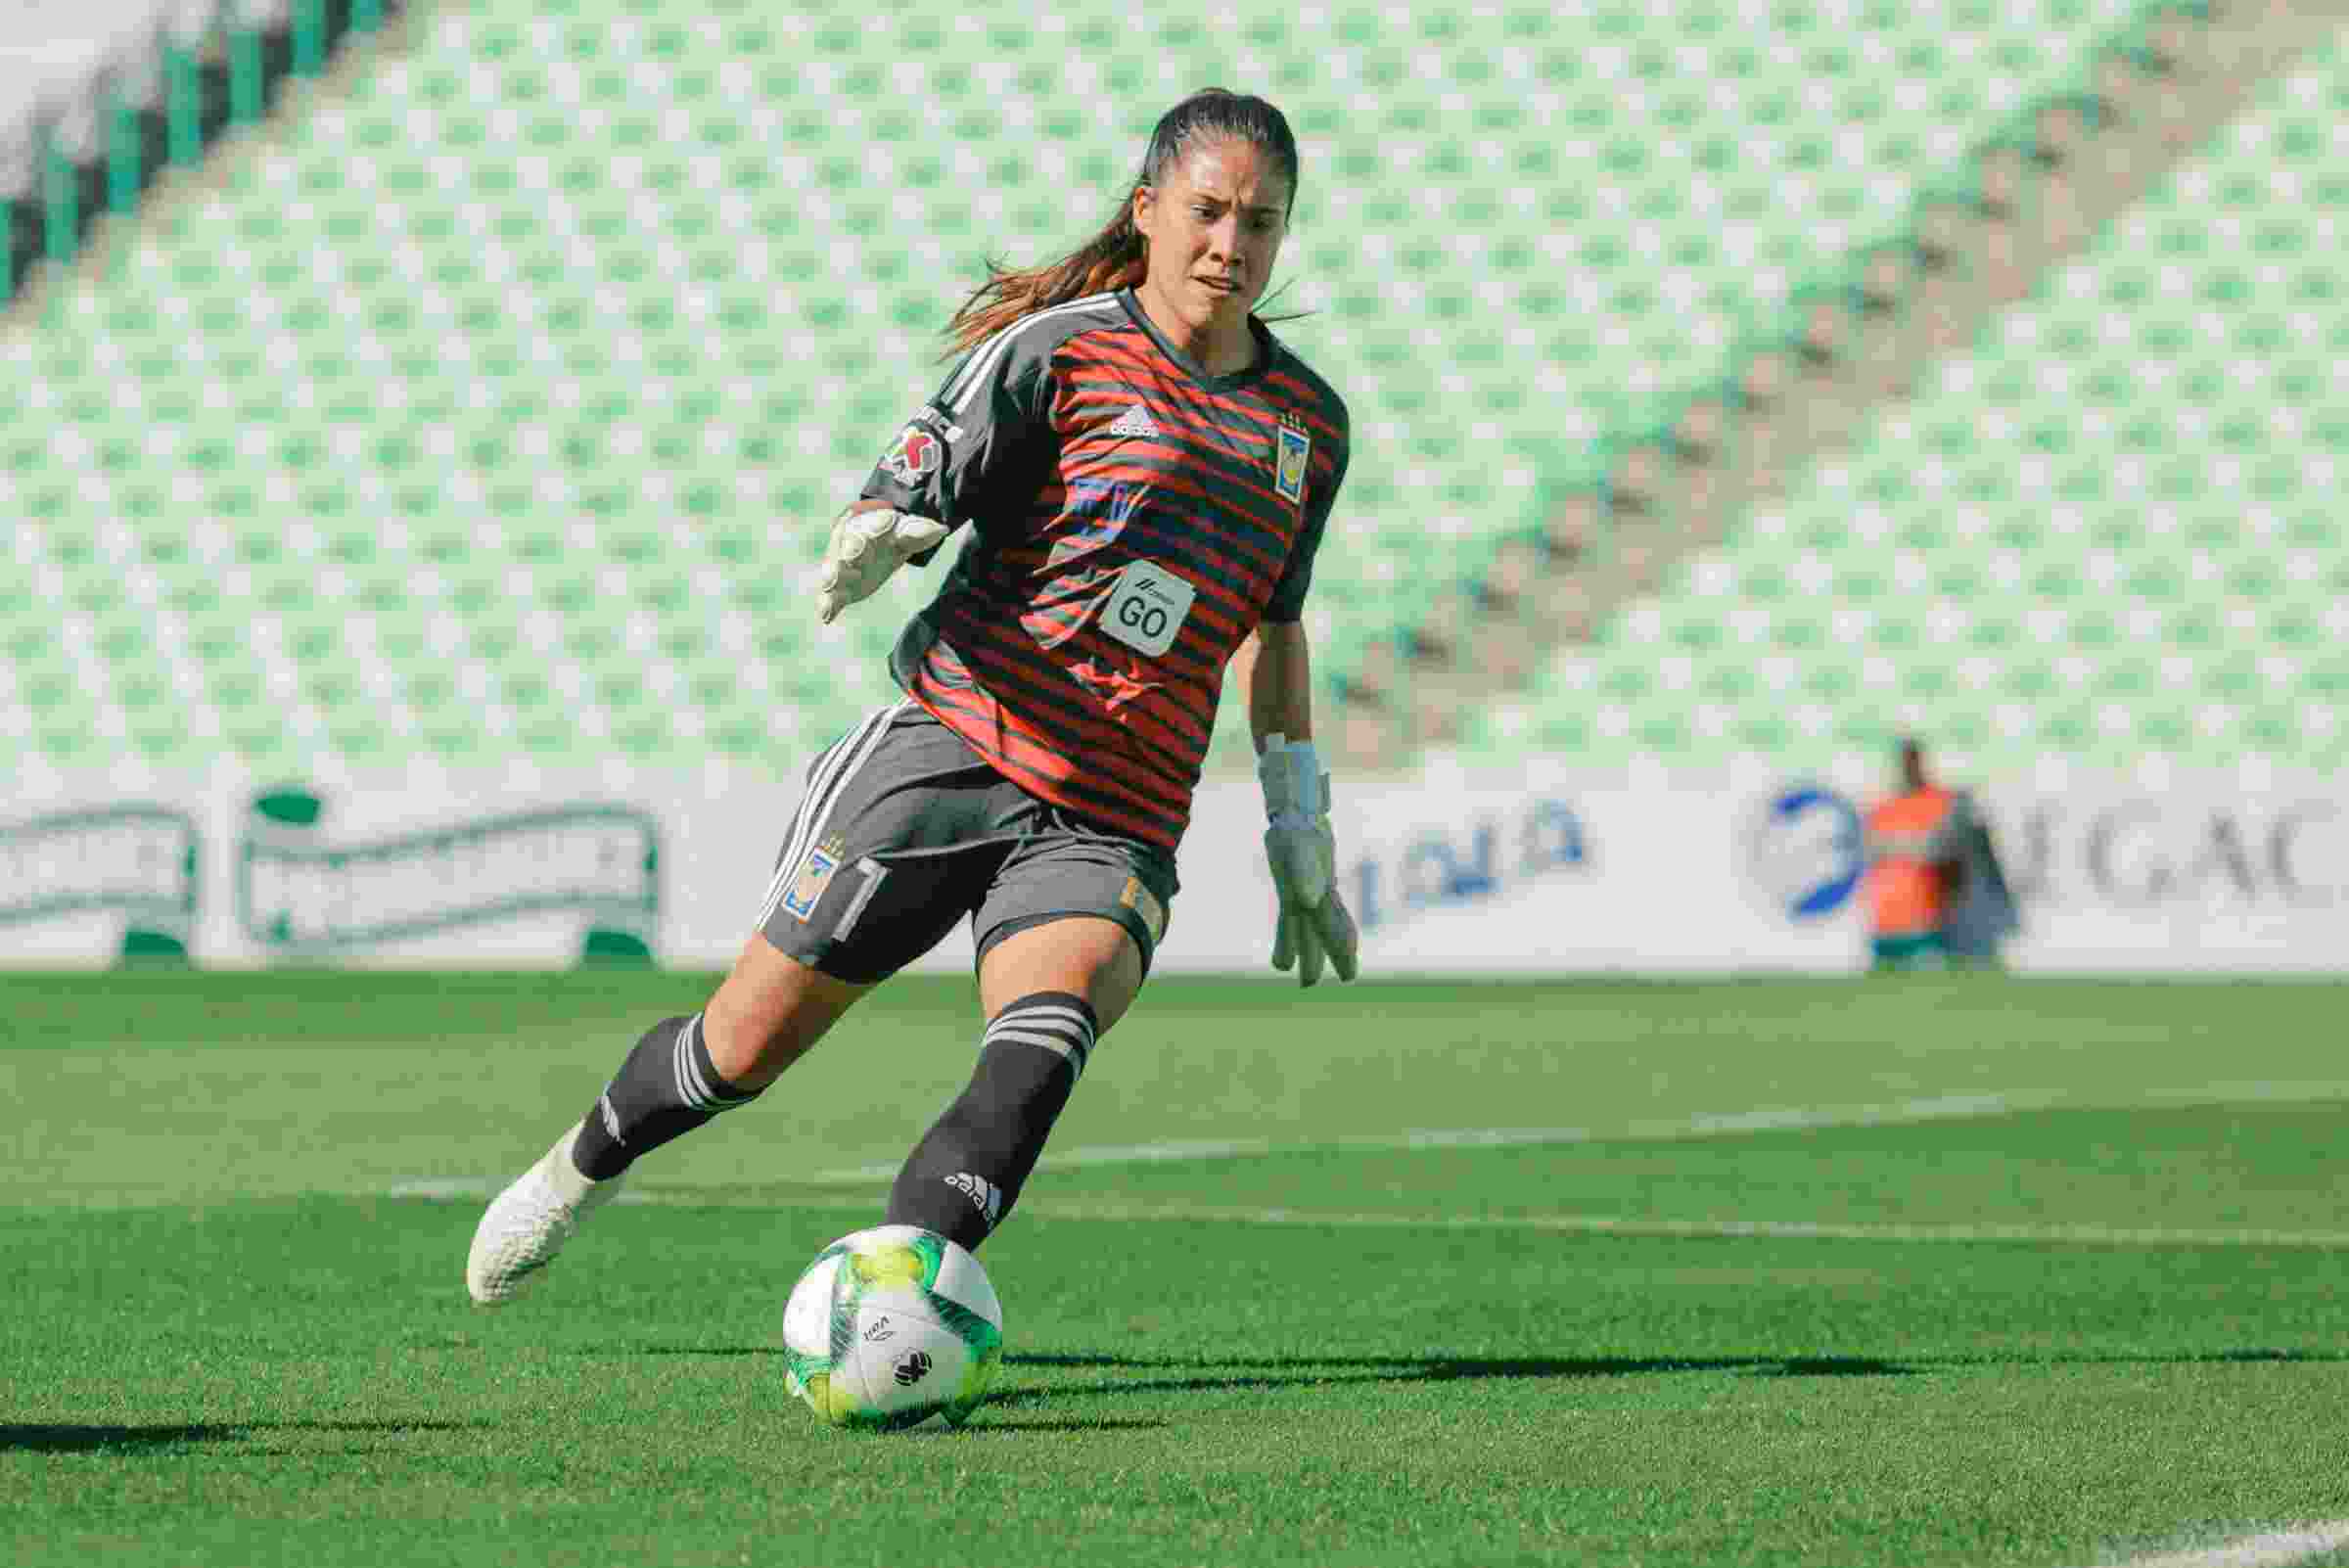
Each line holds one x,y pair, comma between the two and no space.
891,1326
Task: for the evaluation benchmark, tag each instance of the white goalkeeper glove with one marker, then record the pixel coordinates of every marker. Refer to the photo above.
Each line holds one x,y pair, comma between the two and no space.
865,549
1314,923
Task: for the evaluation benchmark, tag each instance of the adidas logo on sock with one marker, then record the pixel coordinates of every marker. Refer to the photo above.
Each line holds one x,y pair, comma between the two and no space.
1135,421
985,1195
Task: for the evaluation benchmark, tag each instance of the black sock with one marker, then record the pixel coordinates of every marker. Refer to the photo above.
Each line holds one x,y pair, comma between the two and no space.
665,1089
965,1175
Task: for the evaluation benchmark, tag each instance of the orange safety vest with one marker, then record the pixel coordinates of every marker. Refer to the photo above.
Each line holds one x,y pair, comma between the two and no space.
1910,846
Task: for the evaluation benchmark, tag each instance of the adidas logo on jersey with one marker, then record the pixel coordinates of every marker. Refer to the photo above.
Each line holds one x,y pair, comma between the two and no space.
1135,421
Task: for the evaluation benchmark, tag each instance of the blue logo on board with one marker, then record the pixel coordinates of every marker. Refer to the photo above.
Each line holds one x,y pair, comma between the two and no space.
1803,852
1445,865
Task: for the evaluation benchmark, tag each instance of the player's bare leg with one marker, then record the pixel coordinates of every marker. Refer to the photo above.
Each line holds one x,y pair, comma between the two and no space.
768,1013
1086,955
1048,993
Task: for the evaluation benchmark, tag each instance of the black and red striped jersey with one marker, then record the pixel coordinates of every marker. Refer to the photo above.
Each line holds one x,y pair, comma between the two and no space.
1132,518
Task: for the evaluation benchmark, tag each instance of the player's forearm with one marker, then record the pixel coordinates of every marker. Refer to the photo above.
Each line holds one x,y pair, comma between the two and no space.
1277,673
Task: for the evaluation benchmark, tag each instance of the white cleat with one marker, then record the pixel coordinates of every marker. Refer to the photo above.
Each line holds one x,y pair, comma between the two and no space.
527,1225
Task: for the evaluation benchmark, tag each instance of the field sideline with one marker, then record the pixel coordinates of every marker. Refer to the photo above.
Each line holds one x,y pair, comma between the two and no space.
1945,1270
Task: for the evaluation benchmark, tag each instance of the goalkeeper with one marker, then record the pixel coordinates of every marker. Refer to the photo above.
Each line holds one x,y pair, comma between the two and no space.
1145,472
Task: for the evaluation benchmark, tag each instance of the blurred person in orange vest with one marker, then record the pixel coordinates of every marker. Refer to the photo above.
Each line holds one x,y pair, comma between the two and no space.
1919,841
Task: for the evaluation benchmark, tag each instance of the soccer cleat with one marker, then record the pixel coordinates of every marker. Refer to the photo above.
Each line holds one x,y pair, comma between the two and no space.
527,1225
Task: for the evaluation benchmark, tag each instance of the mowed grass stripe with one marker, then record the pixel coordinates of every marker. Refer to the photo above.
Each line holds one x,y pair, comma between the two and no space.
289,1081
2242,1175
228,1377
275,1382
2236,1176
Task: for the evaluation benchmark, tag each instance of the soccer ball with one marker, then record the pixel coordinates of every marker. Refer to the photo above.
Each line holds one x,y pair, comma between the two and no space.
891,1326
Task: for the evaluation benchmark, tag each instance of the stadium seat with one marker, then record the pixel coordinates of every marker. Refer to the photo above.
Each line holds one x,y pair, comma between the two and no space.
2108,530
594,263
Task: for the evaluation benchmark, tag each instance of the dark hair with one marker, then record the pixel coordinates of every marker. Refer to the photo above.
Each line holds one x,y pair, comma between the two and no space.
1113,259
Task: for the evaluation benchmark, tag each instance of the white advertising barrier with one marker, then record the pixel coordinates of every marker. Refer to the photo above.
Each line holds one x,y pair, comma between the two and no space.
1471,874
1490,876
457,870
2110,876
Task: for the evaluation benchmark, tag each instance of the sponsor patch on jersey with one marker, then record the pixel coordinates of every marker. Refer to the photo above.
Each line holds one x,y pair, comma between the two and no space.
814,875
1147,608
1143,901
912,455
1292,449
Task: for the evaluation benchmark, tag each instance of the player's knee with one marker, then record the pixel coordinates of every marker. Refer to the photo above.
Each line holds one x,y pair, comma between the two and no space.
769,1012
1089,956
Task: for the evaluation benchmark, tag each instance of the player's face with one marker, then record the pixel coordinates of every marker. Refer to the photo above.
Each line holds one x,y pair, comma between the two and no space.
1215,226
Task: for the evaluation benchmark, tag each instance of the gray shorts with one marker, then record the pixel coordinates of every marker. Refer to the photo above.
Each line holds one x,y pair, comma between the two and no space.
904,830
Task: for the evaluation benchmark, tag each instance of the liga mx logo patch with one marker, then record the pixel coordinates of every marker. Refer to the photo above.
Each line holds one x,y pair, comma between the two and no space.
814,875
1292,449
914,454
1143,901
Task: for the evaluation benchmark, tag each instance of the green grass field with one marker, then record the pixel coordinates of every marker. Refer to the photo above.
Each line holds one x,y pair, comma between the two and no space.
1958,1272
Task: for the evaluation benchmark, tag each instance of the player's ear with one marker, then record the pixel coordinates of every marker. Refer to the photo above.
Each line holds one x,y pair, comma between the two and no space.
1143,202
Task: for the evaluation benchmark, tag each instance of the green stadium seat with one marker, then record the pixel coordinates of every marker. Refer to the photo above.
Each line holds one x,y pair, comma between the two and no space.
429,314
2107,532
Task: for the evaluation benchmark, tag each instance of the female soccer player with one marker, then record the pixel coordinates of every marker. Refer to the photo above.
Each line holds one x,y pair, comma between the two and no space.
1146,472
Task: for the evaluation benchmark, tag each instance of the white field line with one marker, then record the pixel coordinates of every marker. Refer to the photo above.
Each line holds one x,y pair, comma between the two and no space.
1770,1229
454,1190
2273,1548
1711,1124
1705,1124
1588,1225
477,1189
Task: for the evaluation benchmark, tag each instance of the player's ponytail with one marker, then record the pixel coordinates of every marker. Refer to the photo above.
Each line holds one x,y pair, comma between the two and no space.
1114,258
1110,259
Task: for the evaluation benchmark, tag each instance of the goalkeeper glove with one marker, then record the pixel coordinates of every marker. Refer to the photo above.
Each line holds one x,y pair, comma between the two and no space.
1314,923
865,549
